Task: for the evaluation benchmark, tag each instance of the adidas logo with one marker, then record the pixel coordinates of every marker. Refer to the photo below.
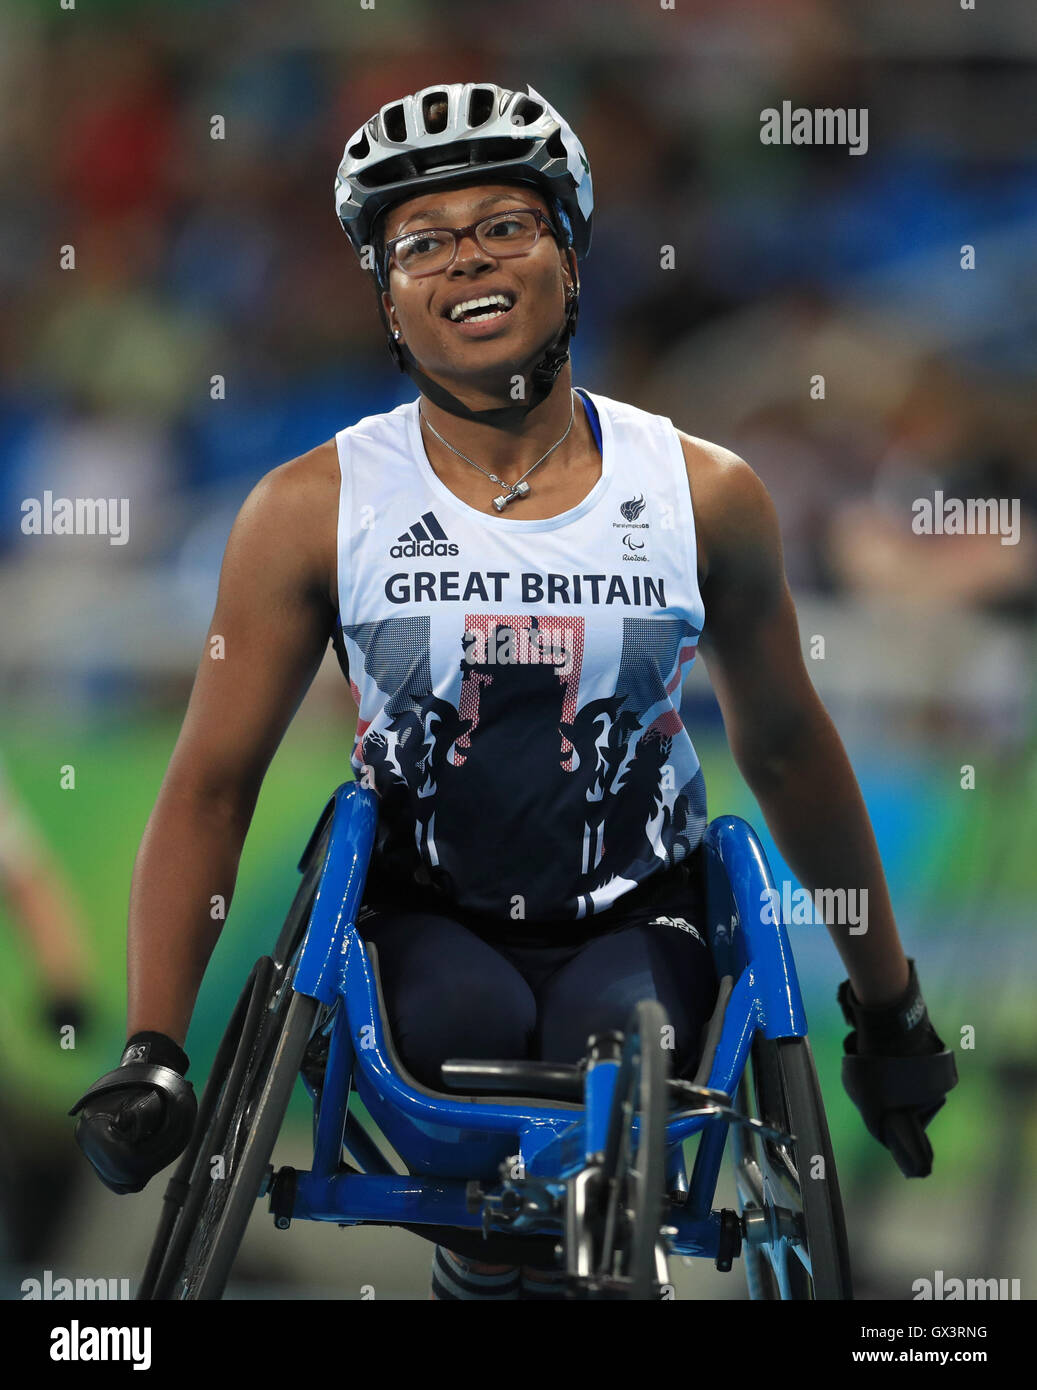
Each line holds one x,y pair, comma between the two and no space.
680,922
425,537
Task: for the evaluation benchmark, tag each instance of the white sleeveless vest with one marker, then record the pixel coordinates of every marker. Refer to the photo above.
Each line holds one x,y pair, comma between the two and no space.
519,682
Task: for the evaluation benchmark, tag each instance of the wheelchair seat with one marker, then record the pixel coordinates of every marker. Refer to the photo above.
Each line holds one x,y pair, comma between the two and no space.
697,906
535,1094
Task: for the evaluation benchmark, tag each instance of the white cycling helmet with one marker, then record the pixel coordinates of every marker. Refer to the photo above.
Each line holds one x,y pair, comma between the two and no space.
453,133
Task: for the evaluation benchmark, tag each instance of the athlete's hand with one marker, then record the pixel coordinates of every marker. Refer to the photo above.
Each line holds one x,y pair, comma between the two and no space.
137,1119
897,1072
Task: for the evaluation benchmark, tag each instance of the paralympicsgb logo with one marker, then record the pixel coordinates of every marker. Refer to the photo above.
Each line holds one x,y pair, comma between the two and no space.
631,510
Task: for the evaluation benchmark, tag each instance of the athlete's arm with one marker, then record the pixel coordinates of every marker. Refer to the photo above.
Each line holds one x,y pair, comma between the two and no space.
275,612
780,734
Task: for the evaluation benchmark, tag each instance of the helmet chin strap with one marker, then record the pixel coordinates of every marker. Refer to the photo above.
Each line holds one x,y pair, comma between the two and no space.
542,378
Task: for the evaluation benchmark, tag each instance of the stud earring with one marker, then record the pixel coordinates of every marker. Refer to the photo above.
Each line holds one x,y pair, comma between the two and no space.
396,334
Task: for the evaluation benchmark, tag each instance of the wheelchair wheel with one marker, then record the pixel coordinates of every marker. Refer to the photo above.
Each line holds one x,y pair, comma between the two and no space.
241,1110
630,1260
789,1192
187,1189
244,1119
295,924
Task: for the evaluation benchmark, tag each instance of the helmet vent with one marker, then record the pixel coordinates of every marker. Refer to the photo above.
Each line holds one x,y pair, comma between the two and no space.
526,111
396,170
395,124
434,111
556,146
450,159
480,106
499,150
362,147
462,155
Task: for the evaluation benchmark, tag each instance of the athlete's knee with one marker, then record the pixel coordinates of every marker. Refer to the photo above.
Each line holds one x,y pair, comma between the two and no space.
498,1028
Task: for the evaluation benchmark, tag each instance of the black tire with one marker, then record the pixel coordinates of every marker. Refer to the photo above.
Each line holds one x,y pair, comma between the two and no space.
195,1246
633,1188
186,1190
298,918
813,1262
261,1110
246,1123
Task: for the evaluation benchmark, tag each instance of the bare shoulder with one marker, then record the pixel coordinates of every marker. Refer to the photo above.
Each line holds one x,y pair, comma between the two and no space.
293,512
732,506
308,478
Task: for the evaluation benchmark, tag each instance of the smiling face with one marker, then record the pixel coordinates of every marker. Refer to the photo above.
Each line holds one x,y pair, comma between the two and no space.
534,285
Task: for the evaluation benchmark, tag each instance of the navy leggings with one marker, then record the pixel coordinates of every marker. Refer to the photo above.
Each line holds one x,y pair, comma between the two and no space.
457,986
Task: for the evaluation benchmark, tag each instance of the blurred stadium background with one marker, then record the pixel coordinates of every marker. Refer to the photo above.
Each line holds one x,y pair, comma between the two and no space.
196,257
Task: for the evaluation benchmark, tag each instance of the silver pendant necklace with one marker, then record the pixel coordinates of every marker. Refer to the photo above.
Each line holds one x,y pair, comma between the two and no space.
517,489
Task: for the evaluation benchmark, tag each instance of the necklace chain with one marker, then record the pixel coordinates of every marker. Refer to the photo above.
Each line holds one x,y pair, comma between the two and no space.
516,489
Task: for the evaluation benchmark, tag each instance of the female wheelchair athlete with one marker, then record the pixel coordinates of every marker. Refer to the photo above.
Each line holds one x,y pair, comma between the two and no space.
575,1168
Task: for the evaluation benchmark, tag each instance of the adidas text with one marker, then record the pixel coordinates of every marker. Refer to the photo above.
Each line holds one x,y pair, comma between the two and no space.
410,548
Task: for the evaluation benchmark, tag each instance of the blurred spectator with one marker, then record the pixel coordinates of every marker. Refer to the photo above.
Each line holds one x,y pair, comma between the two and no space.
724,274
941,447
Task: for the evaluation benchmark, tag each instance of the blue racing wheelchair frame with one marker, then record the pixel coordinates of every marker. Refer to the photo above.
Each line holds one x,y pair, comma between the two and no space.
579,1168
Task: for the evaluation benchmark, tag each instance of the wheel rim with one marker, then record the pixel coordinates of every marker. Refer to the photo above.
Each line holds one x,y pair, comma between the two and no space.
768,1179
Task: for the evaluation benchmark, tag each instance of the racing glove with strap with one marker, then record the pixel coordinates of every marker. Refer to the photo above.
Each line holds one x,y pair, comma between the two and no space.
897,1072
137,1119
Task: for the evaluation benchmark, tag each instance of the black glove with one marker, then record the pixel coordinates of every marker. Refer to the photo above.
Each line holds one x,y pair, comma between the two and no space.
897,1072
137,1119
